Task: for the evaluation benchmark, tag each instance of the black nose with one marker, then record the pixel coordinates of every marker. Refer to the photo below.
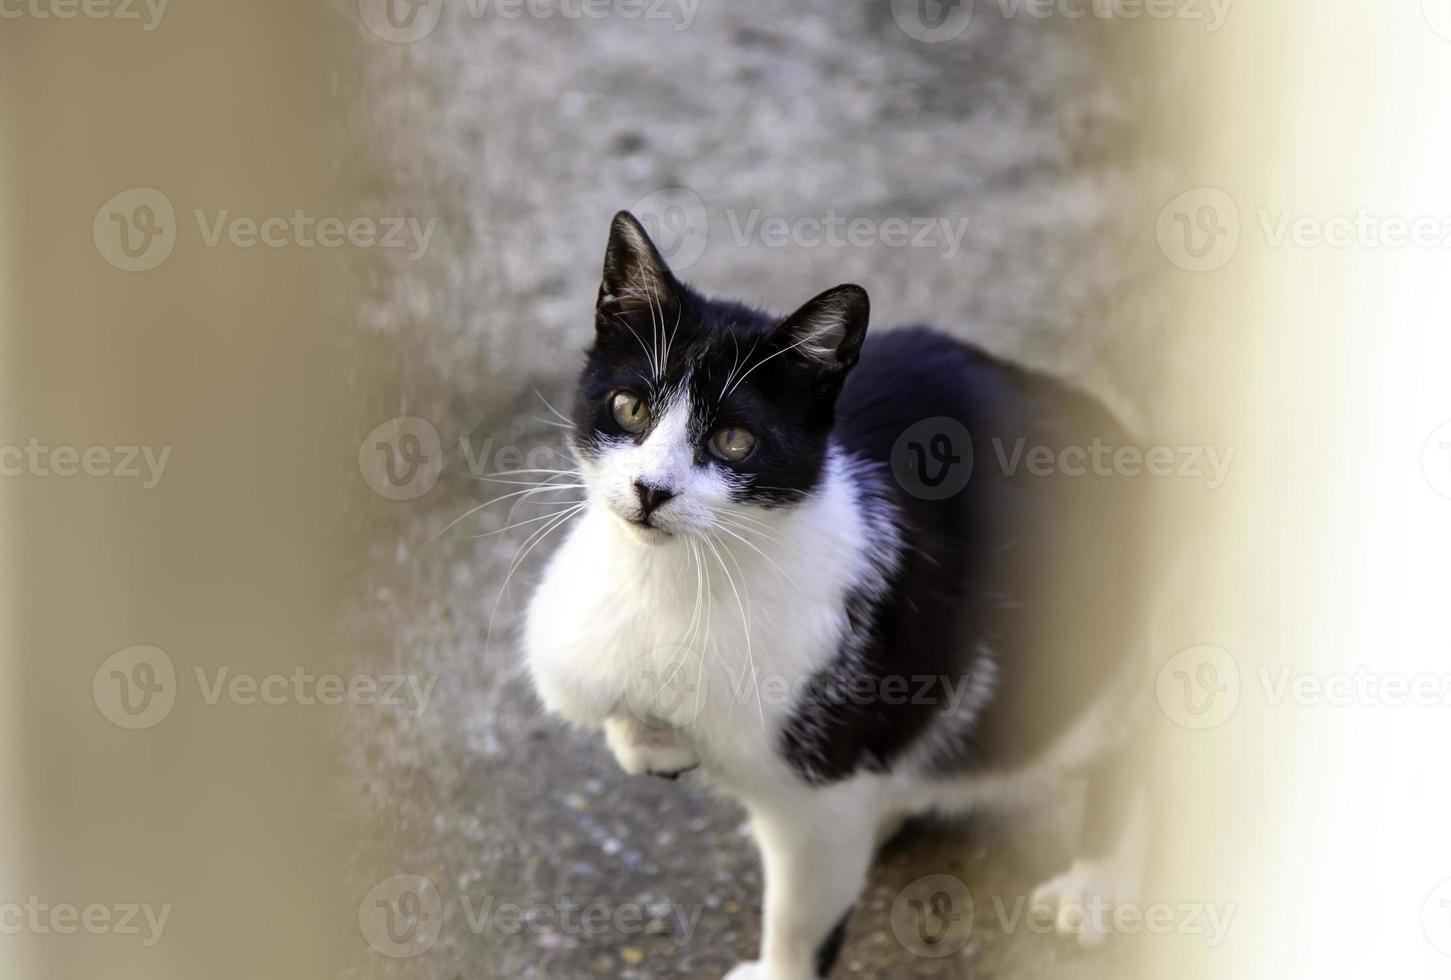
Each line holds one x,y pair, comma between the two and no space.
651,497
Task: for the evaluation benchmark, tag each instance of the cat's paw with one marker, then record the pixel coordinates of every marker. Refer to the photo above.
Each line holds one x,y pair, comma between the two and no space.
642,751
747,971
1083,900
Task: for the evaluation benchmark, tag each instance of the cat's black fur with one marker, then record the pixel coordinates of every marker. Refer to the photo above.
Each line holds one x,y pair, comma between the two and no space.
1039,573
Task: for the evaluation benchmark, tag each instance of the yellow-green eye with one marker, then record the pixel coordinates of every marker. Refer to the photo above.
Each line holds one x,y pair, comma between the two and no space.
732,443
630,411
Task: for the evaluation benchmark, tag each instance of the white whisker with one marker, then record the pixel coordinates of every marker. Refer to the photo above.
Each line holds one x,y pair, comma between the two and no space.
768,558
745,623
475,509
558,414
764,360
529,520
530,543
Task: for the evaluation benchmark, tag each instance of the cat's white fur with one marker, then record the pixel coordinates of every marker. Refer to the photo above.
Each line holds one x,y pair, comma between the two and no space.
725,625
726,622
685,649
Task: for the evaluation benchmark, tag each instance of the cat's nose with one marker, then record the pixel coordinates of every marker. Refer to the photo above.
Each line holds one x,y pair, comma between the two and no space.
651,497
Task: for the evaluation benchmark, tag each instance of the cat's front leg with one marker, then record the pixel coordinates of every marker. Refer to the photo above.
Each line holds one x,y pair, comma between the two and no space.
816,847
1108,870
643,749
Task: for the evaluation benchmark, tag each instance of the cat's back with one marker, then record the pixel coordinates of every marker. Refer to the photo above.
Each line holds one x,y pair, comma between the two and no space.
1044,560
910,375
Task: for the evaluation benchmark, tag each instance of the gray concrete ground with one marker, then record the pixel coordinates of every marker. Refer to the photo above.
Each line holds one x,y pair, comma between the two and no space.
523,136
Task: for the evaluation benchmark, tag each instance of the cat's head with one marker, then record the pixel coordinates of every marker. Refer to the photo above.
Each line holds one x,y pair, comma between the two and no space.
689,409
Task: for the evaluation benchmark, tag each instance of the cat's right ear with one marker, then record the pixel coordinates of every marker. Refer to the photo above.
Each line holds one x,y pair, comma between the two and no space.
636,279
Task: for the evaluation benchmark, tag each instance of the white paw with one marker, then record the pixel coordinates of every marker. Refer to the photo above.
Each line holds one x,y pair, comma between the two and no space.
647,751
747,971
1083,900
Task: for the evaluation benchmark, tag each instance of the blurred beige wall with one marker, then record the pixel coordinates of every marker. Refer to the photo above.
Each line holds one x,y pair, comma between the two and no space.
228,357
1316,819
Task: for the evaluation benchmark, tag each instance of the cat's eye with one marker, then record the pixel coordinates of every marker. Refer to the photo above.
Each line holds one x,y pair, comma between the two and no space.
732,443
630,411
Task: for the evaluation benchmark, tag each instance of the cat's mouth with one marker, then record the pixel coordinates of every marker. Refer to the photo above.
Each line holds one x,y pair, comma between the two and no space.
644,528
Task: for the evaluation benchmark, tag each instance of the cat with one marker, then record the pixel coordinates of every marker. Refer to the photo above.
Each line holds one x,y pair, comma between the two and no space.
809,567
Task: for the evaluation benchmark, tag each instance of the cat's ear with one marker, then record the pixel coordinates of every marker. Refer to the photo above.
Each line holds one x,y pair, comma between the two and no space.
827,332
636,279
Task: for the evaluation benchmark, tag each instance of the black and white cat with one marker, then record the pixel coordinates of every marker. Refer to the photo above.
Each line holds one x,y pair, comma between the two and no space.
780,580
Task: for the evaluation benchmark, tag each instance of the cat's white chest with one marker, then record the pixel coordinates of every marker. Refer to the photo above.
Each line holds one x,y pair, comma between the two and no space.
713,637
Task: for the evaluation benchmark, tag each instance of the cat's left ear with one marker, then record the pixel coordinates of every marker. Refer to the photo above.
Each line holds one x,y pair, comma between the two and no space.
827,332
635,279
